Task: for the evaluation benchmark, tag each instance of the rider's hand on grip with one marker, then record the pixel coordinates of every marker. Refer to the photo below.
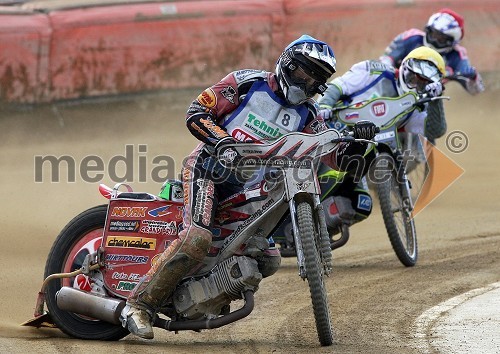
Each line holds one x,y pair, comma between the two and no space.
469,72
364,129
227,155
434,89
230,159
326,114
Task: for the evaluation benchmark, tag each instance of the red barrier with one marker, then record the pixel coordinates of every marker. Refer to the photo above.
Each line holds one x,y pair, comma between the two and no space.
90,48
23,56
121,49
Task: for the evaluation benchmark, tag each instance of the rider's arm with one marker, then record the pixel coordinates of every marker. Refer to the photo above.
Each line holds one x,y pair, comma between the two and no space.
458,63
206,111
401,45
353,80
344,157
330,96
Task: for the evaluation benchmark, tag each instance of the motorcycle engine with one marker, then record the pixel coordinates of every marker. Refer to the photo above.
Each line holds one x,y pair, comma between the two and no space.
207,296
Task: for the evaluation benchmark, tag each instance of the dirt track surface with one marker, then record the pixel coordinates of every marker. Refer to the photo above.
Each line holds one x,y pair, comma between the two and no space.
374,299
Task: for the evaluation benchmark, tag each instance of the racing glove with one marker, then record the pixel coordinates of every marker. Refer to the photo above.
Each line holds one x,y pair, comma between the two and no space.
227,156
230,159
364,129
434,89
469,72
326,114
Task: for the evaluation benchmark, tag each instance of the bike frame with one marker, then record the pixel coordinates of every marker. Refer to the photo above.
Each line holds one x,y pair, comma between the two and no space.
294,155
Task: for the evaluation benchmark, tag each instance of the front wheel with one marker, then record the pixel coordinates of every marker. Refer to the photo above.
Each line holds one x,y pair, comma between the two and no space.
315,274
396,213
82,236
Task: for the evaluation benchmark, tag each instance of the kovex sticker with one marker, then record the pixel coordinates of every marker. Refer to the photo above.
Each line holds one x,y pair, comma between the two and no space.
131,242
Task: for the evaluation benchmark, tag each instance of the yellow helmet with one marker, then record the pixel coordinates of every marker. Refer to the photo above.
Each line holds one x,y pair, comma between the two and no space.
420,67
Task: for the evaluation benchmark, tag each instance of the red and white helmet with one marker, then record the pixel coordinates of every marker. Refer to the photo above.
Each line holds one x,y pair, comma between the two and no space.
444,30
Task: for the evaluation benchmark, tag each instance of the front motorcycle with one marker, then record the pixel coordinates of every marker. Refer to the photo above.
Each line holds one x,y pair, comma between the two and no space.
101,254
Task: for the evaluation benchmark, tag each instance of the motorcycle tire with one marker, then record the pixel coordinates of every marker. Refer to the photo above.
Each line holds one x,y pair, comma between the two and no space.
66,255
315,274
398,220
417,165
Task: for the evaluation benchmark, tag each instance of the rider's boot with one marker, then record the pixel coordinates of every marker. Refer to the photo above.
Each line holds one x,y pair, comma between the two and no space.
160,281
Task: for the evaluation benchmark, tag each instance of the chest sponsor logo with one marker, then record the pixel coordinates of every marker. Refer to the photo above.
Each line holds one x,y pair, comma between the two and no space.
131,242
242,135
261,127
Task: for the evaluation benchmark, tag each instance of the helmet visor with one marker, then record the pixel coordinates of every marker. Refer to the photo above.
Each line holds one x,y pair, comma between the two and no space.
439,39
304,81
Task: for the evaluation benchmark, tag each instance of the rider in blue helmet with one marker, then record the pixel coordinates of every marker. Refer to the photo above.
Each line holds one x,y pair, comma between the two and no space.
246,105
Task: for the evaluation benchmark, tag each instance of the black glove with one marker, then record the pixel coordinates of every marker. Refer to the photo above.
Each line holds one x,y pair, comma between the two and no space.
364,129
227,156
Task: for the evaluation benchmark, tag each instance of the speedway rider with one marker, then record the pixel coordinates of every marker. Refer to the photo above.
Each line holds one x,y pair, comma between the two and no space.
246,105
443,32
420,71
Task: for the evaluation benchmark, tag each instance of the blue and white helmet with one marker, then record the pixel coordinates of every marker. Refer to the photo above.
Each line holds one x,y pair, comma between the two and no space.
304,68
444,30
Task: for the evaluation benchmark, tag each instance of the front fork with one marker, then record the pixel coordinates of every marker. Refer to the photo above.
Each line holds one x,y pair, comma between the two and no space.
322,239
402,180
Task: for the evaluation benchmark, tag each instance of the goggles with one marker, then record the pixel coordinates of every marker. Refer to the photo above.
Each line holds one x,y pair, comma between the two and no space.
439,39
305,82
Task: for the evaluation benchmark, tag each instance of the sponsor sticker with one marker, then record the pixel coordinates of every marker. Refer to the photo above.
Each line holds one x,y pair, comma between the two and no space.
228,93
124,225
131,242
364,202
127,258
126,286
379,109
160,211
208,98
129,212
261,127
159,227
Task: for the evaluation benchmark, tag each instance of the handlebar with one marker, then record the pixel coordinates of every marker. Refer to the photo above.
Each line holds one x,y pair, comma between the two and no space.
424,98
349,138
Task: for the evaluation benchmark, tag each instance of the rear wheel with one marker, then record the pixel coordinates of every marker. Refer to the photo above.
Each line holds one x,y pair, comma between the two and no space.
315,274
396,213
82,236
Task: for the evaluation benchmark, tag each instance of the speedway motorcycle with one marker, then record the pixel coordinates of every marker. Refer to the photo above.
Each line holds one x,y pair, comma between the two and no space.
399,170
99,257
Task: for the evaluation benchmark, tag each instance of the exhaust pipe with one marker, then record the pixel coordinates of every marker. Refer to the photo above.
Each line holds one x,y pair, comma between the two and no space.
196,325
81,302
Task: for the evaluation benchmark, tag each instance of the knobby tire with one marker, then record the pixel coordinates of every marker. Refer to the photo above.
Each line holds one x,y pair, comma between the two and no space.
399,224
315,274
